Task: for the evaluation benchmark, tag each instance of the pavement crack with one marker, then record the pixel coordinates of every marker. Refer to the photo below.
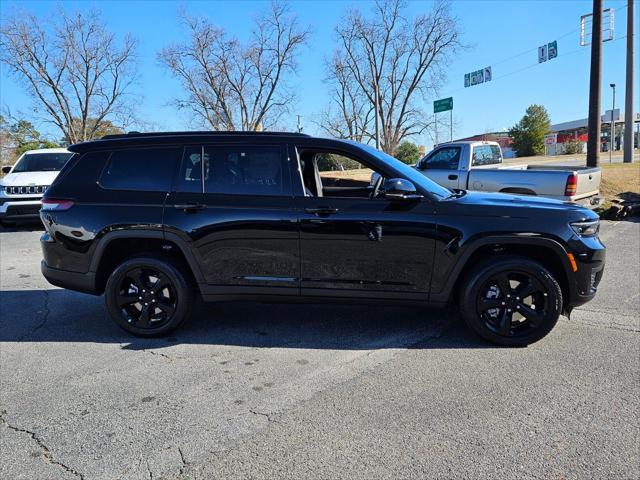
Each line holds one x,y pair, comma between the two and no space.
46,452
266,415
45,318
184,462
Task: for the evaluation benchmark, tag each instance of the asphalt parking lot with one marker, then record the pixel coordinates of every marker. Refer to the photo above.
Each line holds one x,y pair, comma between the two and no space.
322,391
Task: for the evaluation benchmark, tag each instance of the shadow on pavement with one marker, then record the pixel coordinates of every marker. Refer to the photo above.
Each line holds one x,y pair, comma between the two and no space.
64,316
22,226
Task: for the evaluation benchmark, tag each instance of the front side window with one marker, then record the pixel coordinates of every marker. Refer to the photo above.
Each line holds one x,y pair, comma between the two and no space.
331,174
144,169
447,158
42,162
244,170
486,155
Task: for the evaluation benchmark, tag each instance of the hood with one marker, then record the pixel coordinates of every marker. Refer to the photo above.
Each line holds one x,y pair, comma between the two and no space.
499,204
29,178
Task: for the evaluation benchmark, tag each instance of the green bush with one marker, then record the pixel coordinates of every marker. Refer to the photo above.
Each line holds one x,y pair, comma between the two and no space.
408,153
573,146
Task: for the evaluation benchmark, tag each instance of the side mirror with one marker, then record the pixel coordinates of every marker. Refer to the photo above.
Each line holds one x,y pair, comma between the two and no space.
6,169
399,189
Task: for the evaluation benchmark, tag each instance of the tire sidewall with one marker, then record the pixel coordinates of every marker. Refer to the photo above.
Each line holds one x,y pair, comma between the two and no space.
184,295
480,275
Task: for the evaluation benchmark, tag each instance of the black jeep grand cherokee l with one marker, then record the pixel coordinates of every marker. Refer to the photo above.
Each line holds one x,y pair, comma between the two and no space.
152,220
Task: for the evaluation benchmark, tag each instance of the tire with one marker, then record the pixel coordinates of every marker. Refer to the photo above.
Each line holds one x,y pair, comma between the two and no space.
152,311
526,313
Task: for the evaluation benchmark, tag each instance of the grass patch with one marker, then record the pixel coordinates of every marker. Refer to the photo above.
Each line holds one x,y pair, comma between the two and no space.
619,178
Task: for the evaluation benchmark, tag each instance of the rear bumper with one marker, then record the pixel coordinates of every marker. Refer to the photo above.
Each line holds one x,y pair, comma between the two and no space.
81,282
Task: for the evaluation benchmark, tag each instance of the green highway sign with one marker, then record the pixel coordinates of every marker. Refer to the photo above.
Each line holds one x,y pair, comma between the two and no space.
443,105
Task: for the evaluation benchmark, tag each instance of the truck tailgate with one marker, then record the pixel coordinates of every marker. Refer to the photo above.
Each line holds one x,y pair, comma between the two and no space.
588,182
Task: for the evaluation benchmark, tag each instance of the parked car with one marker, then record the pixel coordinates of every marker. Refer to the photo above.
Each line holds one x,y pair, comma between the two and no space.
470,165
25,182
154,220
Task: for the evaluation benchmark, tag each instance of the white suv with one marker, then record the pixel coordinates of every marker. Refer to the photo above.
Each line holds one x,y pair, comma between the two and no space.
25,182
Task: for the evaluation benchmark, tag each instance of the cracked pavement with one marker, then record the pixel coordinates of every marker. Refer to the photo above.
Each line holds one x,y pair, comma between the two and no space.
245,390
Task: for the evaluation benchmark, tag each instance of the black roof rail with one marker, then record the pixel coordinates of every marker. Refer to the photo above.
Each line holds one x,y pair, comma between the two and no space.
200,133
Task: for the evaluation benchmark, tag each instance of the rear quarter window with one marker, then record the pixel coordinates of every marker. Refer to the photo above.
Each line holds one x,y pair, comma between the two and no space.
146,169
486,155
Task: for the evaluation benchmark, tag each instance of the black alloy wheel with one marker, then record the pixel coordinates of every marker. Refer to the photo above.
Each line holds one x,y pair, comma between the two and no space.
514,301
148,296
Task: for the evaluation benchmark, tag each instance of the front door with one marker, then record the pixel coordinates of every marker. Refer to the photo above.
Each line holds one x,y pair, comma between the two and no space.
442,166
233,204
355,245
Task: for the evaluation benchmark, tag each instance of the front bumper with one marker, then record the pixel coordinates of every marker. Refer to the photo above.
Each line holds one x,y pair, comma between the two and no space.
590,264
16,208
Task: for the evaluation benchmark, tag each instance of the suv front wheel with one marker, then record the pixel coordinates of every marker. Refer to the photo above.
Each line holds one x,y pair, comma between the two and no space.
148,296
511,301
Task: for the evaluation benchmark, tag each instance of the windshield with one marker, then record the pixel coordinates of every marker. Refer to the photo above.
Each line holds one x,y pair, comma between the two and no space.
408,172
42,162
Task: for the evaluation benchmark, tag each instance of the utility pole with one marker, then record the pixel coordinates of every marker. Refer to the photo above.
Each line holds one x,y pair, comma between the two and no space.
377,104
628,95
612,128
595,81
299,125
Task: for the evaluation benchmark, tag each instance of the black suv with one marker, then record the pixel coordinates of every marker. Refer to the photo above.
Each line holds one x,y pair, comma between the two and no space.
152,220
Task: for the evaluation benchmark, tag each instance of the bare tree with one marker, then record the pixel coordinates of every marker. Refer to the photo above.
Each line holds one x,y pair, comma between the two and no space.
354,112
398,60
231,86
74,70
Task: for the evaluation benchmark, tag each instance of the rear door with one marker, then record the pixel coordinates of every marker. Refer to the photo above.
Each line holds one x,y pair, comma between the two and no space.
442,166
232,203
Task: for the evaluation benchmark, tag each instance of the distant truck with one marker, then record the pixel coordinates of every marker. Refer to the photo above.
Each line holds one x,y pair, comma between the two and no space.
469,165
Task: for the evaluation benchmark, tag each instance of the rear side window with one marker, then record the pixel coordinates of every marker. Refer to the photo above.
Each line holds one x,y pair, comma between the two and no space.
244,170
486,155
149,169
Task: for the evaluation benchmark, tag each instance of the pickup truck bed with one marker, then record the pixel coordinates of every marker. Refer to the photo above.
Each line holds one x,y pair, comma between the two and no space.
478,166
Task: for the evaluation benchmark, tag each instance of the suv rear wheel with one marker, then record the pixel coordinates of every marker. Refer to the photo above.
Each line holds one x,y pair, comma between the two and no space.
148,296
511,301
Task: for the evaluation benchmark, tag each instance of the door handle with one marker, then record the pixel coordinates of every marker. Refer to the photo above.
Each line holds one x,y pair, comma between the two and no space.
453,177
322,210
189,206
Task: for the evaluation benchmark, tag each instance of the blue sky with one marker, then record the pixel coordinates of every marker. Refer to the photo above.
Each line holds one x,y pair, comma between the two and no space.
495,31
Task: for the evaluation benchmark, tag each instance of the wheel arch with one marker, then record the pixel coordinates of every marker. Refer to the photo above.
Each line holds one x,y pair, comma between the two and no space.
518,191
548,252
114,247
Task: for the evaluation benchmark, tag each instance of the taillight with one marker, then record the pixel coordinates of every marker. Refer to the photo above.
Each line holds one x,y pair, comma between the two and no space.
571,186
55,205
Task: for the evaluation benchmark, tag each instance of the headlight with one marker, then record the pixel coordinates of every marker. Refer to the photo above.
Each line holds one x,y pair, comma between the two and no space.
586,229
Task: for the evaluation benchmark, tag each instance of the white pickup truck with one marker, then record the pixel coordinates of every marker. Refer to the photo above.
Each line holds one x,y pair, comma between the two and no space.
472,165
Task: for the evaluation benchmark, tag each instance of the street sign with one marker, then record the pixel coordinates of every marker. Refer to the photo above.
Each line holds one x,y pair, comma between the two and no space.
542,54
443,105
552,49
477,77
487,74
551,138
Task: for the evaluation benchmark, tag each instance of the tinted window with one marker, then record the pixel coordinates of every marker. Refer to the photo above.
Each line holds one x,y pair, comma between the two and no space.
190,177
42,162
446,158
244,170
141,169
486,155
